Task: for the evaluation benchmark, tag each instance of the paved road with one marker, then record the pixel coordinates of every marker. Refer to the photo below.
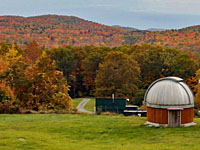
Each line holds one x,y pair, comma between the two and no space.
81,106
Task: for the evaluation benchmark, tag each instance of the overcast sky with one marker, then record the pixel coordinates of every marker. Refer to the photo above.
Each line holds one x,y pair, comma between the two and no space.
140,14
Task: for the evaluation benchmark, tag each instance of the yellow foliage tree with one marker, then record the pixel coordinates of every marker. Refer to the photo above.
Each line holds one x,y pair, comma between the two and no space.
197,90
47,88
7,60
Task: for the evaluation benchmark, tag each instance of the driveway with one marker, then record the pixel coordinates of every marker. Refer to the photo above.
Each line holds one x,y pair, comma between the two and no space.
81,106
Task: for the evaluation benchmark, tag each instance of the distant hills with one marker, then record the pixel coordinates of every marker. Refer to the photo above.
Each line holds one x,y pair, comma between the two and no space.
53,30
183,39
156,29
126,28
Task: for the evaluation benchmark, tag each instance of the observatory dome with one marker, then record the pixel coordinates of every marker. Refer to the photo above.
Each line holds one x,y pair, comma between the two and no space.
169,92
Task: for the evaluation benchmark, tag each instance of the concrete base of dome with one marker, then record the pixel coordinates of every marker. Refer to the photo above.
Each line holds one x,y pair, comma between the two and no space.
151,124
188,124
155,124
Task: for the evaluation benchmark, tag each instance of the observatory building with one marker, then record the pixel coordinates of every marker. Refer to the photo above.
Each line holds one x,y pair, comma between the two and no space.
170,102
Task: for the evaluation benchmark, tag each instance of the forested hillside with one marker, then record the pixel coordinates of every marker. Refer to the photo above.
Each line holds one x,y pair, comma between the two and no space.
52,31
184,39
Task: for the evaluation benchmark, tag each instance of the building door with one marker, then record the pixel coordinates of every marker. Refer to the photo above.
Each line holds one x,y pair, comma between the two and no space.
174,119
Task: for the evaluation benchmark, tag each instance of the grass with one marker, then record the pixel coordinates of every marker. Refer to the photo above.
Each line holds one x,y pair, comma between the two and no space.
95,132
90,105
75,102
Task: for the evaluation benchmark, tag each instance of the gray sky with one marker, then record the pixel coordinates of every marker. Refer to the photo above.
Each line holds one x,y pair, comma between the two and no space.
140,14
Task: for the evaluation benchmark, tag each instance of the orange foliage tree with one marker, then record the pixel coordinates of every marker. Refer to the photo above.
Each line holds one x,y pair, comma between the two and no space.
197,90
47,87
33,86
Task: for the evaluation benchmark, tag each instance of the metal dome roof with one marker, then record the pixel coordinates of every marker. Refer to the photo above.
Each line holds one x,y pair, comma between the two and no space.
169,92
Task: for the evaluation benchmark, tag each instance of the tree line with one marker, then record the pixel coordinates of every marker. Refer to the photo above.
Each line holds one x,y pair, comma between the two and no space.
126,71
37,78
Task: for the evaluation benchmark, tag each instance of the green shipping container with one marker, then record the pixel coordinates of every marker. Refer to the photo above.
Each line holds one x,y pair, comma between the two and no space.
116,105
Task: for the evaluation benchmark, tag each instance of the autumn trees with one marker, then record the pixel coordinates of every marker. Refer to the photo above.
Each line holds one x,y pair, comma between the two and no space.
90,70
9,59
47,88
118,74
90,66
37,78
53,30
65,61
36,85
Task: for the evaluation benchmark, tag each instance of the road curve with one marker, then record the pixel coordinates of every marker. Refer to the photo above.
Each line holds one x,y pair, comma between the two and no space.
81,106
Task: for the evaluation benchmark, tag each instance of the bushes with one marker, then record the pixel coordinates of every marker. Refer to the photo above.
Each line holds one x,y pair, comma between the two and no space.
139,97
9,109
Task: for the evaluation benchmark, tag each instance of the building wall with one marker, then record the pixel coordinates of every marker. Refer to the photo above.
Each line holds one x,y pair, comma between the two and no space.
187,115
157,115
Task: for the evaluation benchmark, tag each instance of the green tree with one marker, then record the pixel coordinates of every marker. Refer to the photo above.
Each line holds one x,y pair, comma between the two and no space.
184,66
138,98
90,66
118,74
65,61
157,62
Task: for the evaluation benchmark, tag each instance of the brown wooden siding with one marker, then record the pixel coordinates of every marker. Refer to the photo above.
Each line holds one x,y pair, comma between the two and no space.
187,115
157,115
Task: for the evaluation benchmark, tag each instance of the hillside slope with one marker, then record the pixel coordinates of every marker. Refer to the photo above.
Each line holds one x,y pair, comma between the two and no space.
53,30
183,39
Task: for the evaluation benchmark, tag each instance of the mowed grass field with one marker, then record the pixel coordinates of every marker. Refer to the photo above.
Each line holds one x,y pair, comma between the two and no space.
75,102
90,105
91,132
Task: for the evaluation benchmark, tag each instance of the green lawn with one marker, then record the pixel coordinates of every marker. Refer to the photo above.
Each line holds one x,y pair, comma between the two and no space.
90,105
91,132
75,102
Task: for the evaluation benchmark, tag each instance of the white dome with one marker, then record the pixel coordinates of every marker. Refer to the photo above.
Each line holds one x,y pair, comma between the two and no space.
169,92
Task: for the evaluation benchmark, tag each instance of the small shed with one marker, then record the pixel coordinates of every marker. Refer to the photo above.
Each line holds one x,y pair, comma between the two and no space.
170,102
